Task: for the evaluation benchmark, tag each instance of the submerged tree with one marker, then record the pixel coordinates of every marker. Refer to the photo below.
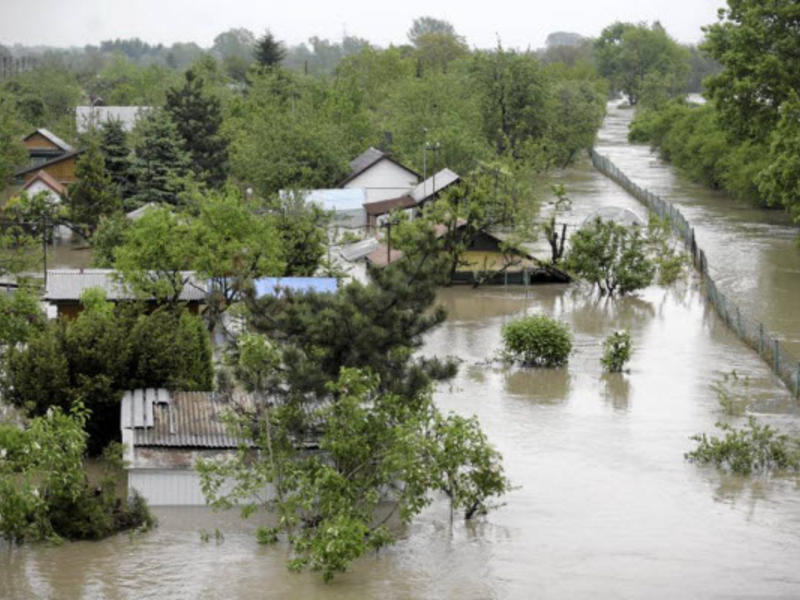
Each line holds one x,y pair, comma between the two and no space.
348,434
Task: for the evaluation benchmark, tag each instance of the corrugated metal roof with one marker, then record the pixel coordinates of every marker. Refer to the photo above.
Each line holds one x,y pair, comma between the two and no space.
69,284
382,207
87,116
359,250
434,184
160,418
273,286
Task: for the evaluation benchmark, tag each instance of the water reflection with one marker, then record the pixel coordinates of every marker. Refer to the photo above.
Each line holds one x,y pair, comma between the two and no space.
616,389
547,386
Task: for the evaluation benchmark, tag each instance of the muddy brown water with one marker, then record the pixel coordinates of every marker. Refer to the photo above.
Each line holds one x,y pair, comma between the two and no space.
605,506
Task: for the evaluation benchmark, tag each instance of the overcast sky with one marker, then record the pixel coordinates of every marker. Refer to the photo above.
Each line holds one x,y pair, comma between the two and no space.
519,23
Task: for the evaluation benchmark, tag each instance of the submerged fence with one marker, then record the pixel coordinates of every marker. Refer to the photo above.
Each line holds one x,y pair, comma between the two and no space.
753,332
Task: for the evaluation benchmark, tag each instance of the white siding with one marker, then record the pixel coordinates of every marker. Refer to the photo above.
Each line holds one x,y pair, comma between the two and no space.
384,180
170,487
40,186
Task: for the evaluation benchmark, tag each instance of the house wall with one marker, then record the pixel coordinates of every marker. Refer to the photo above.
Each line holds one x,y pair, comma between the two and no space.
38,142
384,180
62,171
40,186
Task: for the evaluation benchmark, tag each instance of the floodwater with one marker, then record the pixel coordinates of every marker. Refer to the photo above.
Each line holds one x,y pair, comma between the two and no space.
752,252
605,506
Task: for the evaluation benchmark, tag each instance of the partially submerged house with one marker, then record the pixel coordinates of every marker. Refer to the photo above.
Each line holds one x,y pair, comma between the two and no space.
66,286
43,182
379,175
377,211
88,117
165,432
48,154
61,169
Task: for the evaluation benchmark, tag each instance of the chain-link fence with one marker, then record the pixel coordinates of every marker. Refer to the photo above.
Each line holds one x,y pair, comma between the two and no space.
753,332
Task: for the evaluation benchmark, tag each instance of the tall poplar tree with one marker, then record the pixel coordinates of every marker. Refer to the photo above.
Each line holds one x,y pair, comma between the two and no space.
198,118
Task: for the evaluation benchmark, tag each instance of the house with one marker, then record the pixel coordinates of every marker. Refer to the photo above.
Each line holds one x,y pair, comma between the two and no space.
377,211
43,146
379,175
87,117
165,432
43,182
61,168
66,286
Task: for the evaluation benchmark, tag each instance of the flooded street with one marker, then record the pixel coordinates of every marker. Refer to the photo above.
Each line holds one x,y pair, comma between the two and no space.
605,506
752,252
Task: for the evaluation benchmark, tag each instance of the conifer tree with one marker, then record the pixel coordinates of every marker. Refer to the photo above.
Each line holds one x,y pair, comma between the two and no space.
198,118
160,163
94,194
117,156
269,51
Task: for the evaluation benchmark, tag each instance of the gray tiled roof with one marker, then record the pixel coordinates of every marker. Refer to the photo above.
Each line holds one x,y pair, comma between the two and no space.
365,160
55,139
69,284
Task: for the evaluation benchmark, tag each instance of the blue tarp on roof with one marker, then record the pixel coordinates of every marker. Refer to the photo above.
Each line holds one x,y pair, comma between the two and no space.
272,286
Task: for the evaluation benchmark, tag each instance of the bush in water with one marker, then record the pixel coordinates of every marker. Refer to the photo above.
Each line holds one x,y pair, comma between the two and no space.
538,340
617,350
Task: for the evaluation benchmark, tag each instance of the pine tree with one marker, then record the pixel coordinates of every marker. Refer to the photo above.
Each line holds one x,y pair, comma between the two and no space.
198,118
117,155
160,163
269,51
94,194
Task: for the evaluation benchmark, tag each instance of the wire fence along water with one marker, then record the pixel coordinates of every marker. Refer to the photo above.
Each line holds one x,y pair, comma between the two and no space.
753,332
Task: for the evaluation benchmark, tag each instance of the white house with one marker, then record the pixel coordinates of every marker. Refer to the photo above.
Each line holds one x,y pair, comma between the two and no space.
42,181
379,175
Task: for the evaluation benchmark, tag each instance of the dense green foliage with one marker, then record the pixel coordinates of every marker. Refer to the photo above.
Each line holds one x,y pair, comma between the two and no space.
44,490
116,154
537,340
611,256
617,350
101,353
337,372
745,140
642,62
754,448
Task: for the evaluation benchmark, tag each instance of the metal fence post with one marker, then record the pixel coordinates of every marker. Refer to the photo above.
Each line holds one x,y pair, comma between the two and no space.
776,357
761,339
797,381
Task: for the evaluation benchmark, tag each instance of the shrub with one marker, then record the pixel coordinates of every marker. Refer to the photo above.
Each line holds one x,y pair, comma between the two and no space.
754,448
538,340
617,350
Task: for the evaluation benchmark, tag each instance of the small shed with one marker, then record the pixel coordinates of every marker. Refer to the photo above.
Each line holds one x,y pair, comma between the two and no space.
66,286
164,433
376,210
379,175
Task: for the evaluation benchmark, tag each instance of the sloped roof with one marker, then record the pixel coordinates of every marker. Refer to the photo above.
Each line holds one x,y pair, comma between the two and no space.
617,214
382,207
85,116
434,184
358,250
160,418
52,161
367,159
273,286
138,213
382,256
51,137
70,284
49,181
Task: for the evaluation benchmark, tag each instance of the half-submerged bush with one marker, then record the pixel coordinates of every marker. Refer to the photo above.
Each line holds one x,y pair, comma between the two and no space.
754,448
537,340
617,350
